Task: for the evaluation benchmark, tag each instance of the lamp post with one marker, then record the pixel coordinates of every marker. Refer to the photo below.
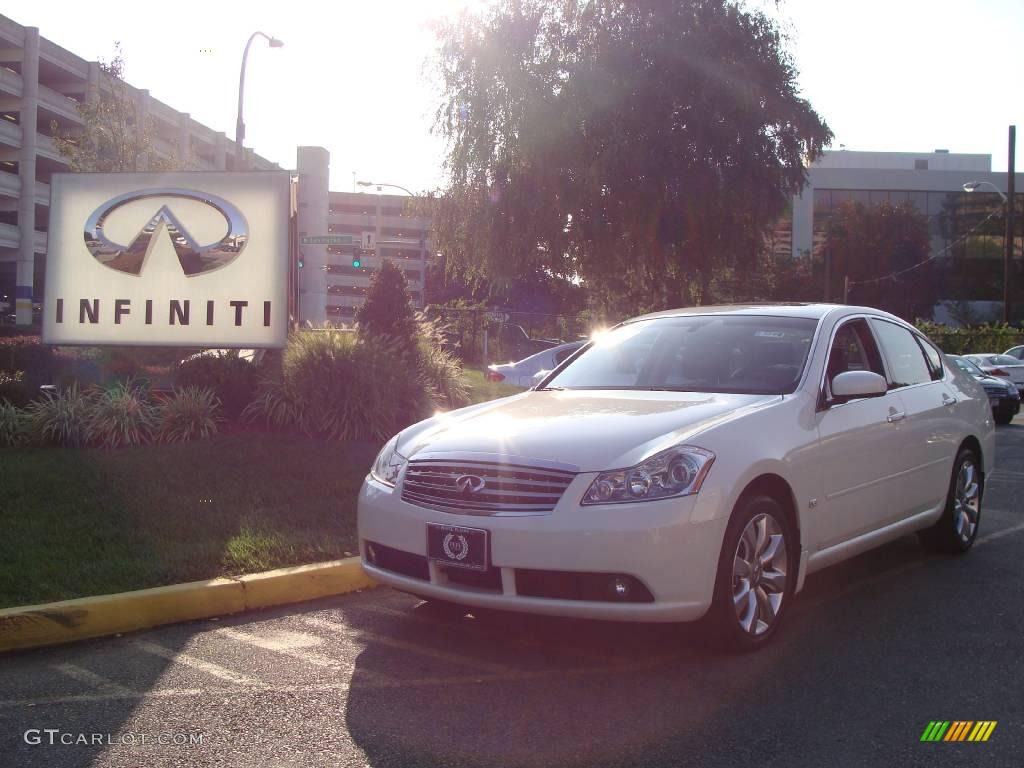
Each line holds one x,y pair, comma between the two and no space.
423,231
239,124
1008,200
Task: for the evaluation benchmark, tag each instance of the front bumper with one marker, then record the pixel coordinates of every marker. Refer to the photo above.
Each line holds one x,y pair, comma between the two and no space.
657,542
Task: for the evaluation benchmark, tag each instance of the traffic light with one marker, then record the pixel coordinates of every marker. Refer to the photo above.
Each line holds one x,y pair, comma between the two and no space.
357,257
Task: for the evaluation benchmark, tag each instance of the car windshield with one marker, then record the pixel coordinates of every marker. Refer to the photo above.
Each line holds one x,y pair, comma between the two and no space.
701,353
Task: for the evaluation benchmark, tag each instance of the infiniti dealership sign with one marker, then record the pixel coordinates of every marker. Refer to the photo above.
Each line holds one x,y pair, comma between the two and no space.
155,259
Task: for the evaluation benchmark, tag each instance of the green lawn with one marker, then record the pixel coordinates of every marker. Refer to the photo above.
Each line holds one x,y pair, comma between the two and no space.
481,390
88,522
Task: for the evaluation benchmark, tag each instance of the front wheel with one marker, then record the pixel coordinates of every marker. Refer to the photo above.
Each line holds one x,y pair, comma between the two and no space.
756,575
1003,417
957,529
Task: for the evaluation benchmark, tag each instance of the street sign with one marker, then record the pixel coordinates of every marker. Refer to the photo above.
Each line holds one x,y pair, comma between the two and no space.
328,240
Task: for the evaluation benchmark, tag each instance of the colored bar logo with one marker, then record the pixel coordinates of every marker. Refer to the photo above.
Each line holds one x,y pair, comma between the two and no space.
958,730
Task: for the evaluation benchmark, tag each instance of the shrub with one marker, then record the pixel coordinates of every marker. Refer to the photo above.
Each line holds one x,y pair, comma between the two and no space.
276,404
338,385
121,415
13,424
62,417
440,369
190,413
14,388
29,354
387,310
232,378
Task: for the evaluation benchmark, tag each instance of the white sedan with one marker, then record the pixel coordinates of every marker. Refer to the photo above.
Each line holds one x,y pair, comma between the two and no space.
522,374
691,464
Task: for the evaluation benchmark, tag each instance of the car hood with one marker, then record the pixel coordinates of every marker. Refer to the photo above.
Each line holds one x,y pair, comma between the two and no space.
588,430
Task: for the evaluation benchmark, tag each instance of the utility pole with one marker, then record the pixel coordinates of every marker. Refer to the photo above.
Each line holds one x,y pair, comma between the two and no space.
1008,254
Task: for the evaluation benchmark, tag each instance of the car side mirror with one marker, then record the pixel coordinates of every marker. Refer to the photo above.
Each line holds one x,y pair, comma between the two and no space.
858,384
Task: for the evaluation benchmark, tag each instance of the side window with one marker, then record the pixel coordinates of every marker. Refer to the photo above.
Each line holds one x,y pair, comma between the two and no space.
853,349
907,364
934,358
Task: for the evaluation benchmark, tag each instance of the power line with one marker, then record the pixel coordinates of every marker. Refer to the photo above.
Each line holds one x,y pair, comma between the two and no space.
943,252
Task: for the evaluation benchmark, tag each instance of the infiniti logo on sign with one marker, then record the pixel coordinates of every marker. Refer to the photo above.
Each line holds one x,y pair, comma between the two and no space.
470,484
195,258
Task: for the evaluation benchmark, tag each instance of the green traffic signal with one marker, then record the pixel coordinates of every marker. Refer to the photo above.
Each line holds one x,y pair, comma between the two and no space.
356,263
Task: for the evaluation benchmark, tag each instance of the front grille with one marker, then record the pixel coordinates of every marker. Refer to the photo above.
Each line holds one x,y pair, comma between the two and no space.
998,391
506,488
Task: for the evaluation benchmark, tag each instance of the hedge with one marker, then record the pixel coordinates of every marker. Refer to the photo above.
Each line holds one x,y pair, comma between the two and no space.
973,340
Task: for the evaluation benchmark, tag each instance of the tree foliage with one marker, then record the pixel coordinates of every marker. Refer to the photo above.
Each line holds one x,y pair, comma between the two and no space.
114,136
387,310
871,242
635,145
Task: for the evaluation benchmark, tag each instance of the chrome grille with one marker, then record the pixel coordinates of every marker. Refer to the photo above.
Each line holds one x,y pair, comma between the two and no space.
507,488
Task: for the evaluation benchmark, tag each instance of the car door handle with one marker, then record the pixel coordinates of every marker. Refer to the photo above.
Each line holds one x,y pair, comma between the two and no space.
948,399
895,416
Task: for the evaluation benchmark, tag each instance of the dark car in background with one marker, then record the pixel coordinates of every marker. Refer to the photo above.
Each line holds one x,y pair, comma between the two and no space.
1002,394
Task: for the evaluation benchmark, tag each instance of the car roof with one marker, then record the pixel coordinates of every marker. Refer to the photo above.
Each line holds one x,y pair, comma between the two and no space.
813,311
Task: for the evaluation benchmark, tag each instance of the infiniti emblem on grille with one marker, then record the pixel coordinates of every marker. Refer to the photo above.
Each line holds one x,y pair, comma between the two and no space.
469,484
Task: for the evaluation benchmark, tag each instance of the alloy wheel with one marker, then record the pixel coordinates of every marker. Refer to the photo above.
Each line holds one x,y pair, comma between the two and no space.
759,574
966,501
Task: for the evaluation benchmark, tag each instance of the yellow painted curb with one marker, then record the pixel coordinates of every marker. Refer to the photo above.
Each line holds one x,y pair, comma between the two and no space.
304,582
69,620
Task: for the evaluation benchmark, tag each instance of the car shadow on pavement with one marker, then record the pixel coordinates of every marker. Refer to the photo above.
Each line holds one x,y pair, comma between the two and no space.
567,692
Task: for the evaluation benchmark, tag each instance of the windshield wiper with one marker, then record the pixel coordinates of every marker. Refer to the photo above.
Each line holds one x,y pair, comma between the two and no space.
549,389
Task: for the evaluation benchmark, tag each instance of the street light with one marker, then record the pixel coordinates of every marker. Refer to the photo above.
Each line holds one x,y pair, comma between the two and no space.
423,232
971,186
239,125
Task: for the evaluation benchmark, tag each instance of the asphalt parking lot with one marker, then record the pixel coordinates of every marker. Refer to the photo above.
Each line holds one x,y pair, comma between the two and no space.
874,649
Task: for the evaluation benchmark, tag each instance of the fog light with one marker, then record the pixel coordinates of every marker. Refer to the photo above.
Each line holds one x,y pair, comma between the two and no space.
620,588
371,554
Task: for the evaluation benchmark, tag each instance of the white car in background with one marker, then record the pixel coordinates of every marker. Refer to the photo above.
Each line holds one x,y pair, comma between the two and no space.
523,373
692,464
1004,366
1017,352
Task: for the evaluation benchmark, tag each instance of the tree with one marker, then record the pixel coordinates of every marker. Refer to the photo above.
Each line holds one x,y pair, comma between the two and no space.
636,146
387,310
870,244
113,137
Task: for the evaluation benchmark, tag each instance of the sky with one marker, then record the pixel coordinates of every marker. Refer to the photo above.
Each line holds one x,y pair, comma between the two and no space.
887,75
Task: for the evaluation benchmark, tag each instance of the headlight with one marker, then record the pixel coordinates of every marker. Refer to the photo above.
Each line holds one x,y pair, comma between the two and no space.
388,464
679,471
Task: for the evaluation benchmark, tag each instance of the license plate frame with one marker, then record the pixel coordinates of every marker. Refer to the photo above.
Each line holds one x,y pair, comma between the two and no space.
459,546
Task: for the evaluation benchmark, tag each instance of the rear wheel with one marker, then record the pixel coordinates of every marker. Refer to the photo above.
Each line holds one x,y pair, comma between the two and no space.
756,575
957,529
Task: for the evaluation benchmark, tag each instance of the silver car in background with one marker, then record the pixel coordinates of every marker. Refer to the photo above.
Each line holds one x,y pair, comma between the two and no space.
523,373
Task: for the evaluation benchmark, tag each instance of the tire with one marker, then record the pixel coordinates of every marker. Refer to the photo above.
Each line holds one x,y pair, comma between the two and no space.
749,623
957,529
1003,417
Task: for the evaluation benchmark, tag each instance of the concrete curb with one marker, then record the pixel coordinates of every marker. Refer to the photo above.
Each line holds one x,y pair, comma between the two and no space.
32,626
